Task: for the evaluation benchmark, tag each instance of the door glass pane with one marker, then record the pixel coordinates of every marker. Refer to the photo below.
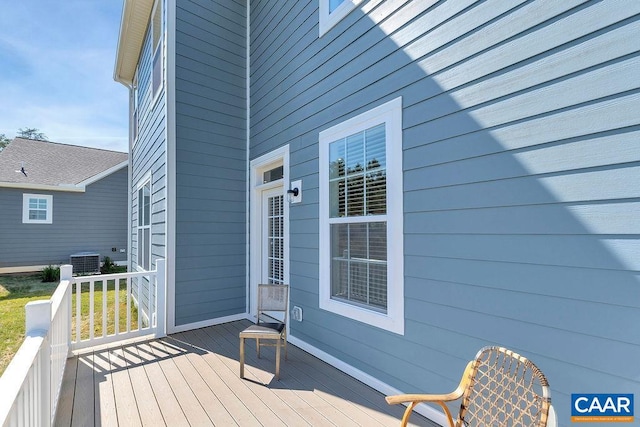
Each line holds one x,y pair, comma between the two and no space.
275,239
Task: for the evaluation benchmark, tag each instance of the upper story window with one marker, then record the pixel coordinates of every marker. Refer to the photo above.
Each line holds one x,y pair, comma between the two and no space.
332,12
134,109
156,28
37,209
144,225
361,261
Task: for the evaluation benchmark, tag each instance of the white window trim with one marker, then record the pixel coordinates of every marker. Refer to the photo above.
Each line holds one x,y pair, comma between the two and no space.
25,208
144,181
135,111
390,114
329,20
155,48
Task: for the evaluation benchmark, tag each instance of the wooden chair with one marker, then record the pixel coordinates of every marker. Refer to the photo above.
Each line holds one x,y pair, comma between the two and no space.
498,388
272,299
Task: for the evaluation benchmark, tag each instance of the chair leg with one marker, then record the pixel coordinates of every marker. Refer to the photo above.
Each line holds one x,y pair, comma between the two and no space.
258,347
285,347
241,357
277,361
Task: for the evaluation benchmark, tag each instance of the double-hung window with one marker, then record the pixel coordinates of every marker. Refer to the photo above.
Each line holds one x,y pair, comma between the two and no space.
144,226
361,250
333,11
37,209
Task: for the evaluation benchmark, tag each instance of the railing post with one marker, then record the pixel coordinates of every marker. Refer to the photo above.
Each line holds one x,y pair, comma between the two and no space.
66,272
38,322
161,300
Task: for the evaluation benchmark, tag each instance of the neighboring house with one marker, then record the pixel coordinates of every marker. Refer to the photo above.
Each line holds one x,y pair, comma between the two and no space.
57,200
467,171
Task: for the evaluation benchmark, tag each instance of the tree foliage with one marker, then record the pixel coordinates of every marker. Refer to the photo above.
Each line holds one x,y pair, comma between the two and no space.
32,133
4,141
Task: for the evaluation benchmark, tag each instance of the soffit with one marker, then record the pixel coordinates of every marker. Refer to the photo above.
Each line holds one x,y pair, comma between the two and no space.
133,27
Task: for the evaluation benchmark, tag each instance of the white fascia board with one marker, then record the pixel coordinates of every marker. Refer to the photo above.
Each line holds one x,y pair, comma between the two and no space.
43,187
103,174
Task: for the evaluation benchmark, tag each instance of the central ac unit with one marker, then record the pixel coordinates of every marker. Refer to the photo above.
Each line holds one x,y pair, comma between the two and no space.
85,262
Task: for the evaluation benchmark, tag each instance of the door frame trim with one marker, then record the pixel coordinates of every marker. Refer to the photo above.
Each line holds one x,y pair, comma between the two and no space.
257,167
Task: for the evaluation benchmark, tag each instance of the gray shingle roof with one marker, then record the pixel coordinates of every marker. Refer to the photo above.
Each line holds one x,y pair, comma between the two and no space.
51,163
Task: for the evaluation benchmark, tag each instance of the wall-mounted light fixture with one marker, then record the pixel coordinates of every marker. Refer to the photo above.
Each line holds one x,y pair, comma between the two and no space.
294,193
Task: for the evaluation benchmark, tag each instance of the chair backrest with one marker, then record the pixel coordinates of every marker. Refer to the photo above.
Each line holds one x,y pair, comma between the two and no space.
506,389
273,298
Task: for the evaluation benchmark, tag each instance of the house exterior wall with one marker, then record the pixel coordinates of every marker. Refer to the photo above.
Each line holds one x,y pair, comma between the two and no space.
210,111
95,221
521,175
148,156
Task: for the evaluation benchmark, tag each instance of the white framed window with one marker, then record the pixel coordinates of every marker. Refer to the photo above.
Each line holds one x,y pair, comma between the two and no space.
333,11
361,220
134,110
37,209
156,28
144,225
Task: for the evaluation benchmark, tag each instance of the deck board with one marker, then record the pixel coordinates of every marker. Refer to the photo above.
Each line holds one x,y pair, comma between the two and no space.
191,378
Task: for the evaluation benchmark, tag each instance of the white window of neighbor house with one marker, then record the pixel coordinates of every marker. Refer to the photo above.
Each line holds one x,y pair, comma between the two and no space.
333,11
37,209
361,249
156,28
144,225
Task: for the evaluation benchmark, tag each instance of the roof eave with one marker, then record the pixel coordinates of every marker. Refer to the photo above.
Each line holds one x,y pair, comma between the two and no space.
133,27
43,187
103,174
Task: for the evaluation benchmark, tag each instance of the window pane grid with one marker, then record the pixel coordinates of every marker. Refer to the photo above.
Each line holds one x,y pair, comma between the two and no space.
144,227
38,209
275,239
359,266
357,174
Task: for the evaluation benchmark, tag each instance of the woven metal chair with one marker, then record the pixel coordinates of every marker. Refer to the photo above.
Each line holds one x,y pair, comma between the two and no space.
498,388
272,299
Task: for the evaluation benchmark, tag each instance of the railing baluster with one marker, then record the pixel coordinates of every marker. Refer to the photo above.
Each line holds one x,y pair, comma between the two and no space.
140,307
104,308
116,309
151,281
78,311
128,304
92,284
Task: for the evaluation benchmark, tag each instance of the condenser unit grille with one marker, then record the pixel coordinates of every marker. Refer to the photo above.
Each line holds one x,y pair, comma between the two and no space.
85,262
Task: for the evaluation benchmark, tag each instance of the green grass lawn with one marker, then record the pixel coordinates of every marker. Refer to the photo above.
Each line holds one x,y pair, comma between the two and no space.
17,290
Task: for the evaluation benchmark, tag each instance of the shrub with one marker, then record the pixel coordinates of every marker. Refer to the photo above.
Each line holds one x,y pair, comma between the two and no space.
51,274
109,267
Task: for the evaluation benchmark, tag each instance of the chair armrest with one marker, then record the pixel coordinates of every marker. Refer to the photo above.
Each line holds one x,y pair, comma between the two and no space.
440,399
423,398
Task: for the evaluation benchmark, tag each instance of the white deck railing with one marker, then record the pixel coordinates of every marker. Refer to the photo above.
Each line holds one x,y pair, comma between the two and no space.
117,307
32,382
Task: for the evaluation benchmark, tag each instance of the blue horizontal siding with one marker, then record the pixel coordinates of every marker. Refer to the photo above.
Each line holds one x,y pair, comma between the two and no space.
95,221
521,178
210,160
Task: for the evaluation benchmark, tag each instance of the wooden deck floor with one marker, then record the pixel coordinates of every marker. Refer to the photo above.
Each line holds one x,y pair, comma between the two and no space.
192,379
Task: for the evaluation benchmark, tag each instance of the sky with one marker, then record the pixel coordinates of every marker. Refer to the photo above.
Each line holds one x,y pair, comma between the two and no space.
56,71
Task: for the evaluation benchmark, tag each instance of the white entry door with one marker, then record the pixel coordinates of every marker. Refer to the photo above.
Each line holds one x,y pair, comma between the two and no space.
269,215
